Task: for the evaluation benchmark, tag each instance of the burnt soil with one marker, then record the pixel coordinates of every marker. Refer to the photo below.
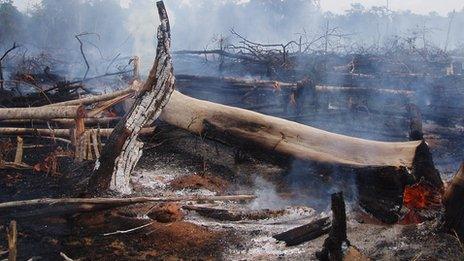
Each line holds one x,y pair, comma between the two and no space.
177,163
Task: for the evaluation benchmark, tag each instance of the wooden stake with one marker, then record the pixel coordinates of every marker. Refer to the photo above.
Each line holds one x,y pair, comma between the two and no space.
88,143
19,151
12,241
94,136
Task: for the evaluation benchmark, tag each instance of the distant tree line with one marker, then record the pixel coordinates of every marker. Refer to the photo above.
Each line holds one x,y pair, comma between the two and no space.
51,25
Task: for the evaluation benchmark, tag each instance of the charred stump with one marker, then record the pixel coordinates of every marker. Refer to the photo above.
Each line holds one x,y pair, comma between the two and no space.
454,207
123,149
332,248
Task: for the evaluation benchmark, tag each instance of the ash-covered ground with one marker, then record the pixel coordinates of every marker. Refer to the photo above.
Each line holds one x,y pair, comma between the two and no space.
178,163
184,164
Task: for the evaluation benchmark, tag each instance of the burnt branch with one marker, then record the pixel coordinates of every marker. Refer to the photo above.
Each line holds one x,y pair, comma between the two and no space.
1,60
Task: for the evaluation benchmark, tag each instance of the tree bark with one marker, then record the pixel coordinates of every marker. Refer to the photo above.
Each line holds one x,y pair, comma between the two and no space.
453,202
123,150
61,132
12,241
43,113
250,130
98,98
89,121
114,201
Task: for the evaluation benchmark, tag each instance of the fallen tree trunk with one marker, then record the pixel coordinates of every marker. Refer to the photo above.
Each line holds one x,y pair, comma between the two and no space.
43,113
284,137
242,84
454,207
113,201
122,151
381,169
62,132
97,98
227,215
89,121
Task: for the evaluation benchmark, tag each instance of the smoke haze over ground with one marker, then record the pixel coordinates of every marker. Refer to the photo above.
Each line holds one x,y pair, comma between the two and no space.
128,27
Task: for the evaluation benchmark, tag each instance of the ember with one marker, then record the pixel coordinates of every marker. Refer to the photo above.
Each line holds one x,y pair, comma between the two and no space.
419,196
421,199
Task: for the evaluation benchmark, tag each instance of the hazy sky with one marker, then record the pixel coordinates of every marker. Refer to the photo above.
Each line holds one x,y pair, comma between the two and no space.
442,7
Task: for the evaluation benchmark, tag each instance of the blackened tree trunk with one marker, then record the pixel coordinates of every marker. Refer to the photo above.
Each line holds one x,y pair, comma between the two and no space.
332,248
123,150
454,207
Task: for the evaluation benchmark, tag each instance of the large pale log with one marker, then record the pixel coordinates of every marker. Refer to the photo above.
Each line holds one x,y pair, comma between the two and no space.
381,169
43,113
123,150
286,137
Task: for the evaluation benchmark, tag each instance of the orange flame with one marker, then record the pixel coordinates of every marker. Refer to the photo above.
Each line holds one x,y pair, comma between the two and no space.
418,197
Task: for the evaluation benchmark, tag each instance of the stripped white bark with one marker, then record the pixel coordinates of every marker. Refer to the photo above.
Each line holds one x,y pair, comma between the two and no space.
122,152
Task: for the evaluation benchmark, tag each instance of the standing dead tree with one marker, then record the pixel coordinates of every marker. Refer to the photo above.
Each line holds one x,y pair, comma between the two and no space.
123,150
1,60
81,48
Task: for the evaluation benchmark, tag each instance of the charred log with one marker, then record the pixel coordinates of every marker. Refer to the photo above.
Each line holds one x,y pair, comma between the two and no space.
224,214
305,233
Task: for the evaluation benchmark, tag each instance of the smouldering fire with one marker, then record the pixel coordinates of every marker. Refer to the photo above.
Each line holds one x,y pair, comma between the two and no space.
420,196
417,196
